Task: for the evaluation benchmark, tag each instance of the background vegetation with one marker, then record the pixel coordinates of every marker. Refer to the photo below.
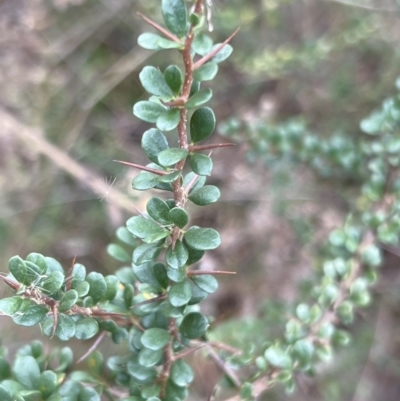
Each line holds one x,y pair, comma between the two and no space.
68,77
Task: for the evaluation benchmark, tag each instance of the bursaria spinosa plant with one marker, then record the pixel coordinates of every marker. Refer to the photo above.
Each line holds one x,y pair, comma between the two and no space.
152,307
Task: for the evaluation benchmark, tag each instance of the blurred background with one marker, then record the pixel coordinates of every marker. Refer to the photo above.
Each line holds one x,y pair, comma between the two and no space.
68,81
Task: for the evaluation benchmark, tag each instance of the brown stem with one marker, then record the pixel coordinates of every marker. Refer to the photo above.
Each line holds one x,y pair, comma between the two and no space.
200,272
92,348
197,148
169,358
144,168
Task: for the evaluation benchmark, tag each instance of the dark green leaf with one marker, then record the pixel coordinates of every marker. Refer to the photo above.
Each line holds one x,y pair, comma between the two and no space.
48,383
178,216
168,120
206,282
191,177
153,81
202,238
125,236
194,88
158,210
175,16
180,293
177,257
197,295
223,54
194,256
34,315
168,178
151,41
53,282
86,328
148,111
201,164
112,283
145,274
202,124
145,253
171,156
173,77
155,338
153,142
161,275
39,260
176,275
146,229
27,372
278,357
118,253
181,373
199,98
206,195
202,44
5,370
194,325
8,306
144,181
149,357
68,300
206,72
98,286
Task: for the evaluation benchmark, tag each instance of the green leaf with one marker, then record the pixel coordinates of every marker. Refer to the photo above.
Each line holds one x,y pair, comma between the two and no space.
34,315
193,325
98,286
78,274
151,41
112,283
181,373
304,350
68,300
223,54
202,239
206,282
82,288
8,306
95,362
53,266
202,44
39,260
171,156
201,164
175,16
176,275
276,356
65,328
177,257
246,391
5,370
194,256
206,195
12,387
27,372
145,274
118,253
169,178
199,181
178,216
153,81
202,124
197,295
144,181
141,374
206,72
149,357
148,111
86,328
88,394
173,78
53,282
145,253
180,293
161,275
155,338
158,210
19,270
125,236
146,229
168,120
154,142
199,98
48,383
4,394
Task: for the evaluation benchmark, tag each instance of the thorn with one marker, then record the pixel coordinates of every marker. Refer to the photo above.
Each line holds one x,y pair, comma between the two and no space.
209,56
196,148
148,169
